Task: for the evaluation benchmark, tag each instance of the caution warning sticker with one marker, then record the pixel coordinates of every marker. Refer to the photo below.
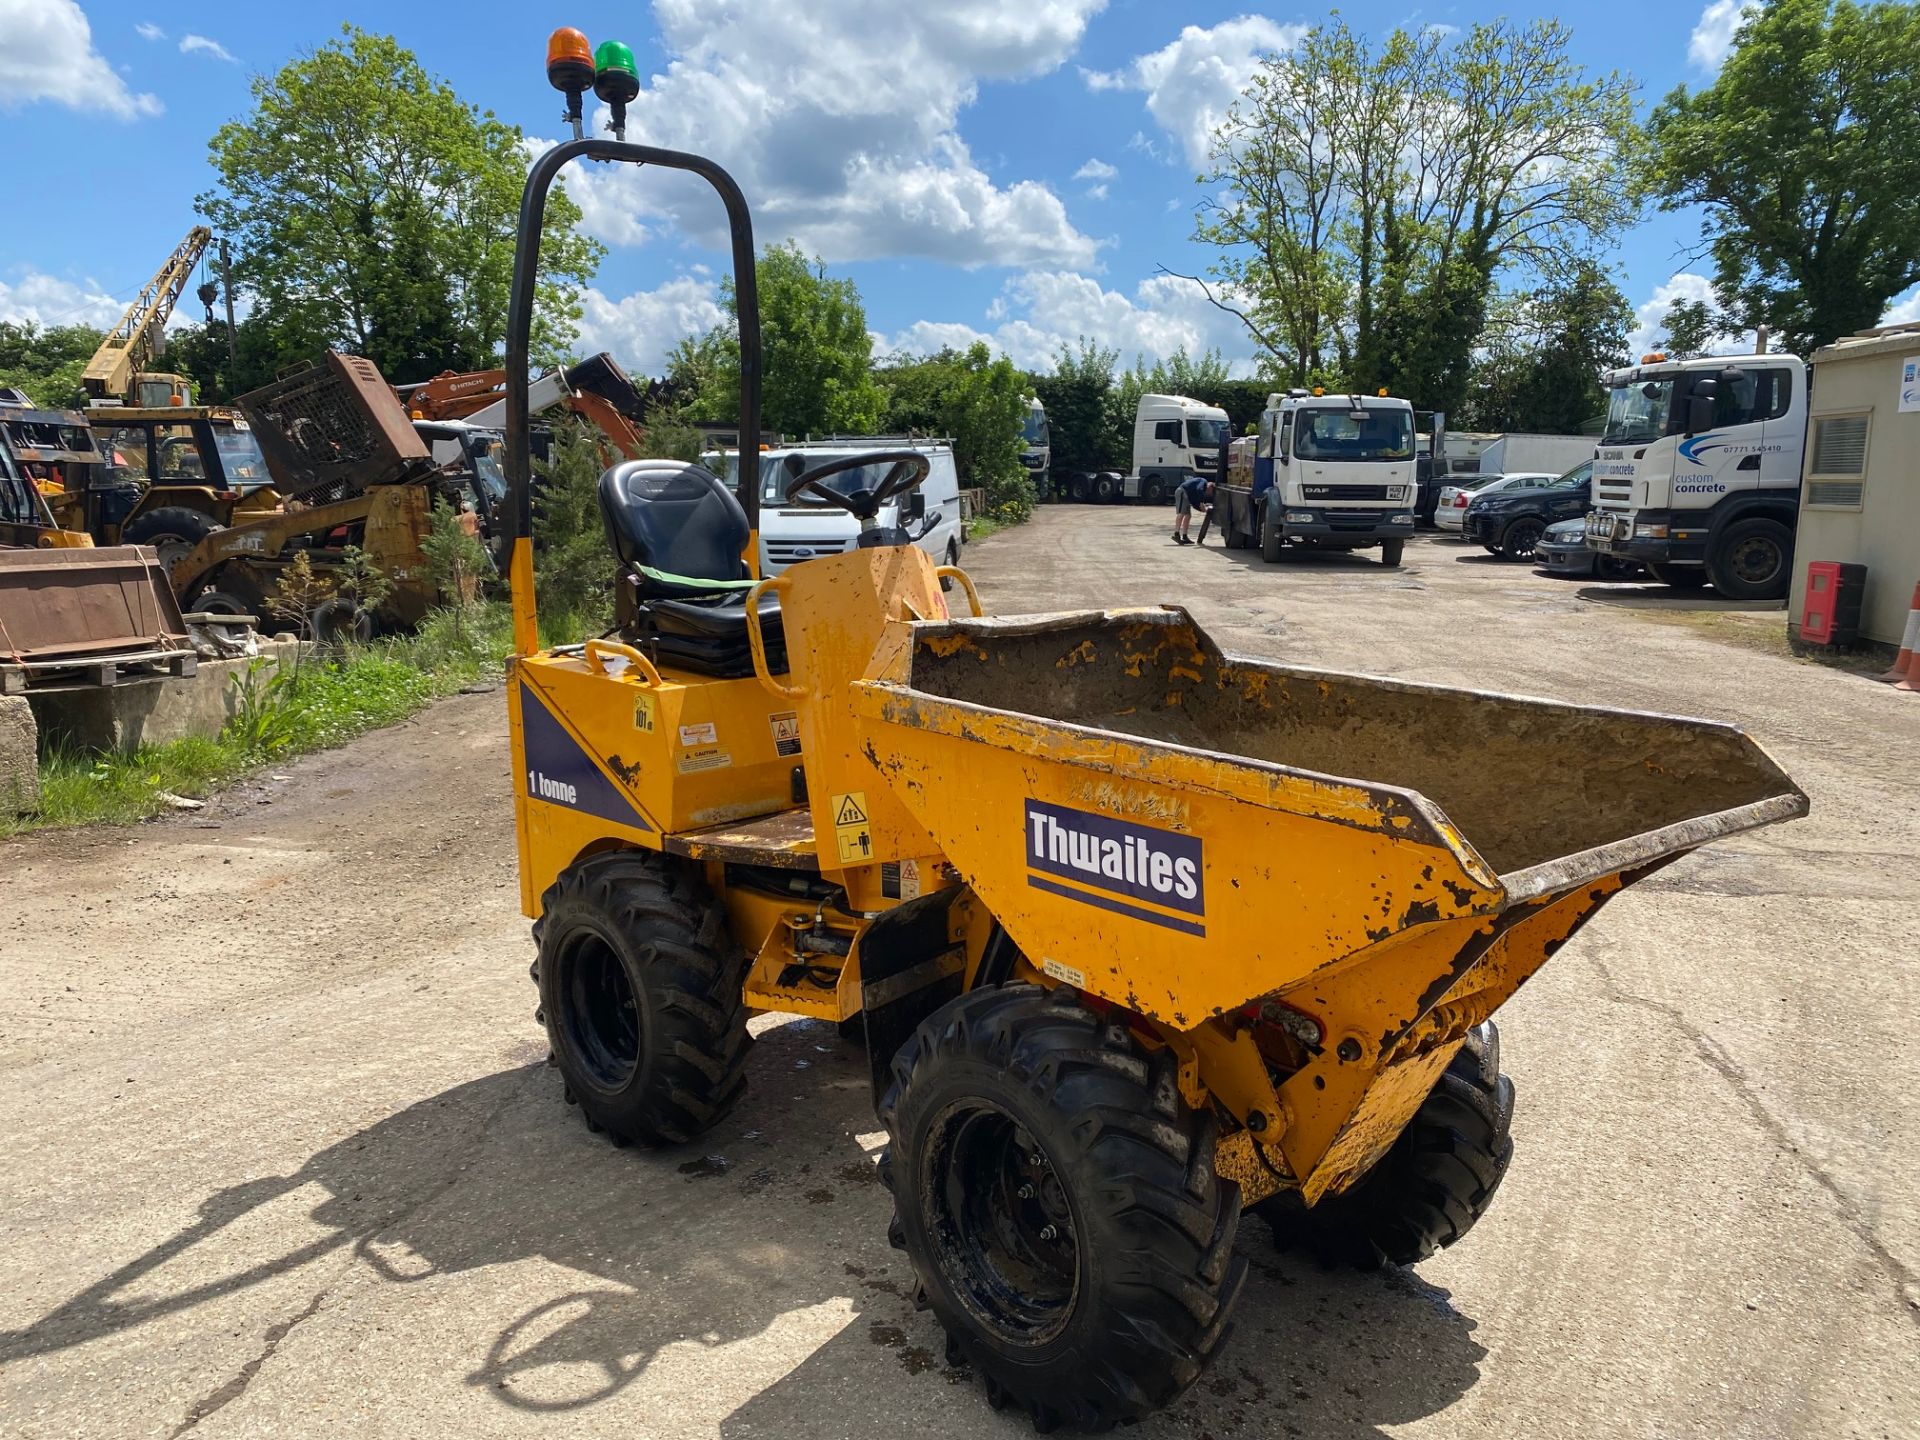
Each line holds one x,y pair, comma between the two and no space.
786,732
850,827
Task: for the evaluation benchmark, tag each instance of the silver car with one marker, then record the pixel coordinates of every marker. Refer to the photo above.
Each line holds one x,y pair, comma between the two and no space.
1454,499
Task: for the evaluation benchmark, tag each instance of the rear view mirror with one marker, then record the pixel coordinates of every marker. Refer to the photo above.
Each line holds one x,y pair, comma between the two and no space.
1699,413
915,506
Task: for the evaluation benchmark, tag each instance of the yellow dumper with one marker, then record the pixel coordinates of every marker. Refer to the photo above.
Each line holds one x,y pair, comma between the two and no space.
1137,932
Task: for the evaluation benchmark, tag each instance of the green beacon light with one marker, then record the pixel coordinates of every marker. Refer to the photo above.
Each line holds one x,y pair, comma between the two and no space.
616,80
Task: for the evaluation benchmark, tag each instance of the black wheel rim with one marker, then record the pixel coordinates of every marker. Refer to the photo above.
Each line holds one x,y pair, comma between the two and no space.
1001,1223
1524,535
1756,560
600,1016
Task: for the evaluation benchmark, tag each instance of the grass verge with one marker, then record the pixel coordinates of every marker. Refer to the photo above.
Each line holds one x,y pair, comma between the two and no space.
325,701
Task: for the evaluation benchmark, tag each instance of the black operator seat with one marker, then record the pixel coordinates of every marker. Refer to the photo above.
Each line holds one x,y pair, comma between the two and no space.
680,536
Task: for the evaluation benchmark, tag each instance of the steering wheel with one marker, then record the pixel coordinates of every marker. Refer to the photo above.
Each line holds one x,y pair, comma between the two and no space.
908,469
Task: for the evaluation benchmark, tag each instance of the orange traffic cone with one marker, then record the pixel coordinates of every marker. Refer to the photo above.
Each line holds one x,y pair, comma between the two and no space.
1912,680
1909,644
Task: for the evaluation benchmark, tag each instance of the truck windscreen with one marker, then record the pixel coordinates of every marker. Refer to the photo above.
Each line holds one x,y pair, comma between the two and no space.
1207,434
1343,435
1034,432
1637,412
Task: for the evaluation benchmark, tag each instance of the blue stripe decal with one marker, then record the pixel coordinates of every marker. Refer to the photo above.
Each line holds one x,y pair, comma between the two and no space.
1118,907
561,773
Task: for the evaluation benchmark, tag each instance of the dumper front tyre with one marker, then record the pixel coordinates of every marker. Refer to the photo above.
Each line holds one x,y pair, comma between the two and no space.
1433,1184
640,991
1057,1198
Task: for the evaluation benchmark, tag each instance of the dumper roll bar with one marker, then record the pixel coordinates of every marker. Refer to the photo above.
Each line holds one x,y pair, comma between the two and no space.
526,260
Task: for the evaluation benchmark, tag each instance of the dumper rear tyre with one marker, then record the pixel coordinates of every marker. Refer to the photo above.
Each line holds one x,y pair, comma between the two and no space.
640,990
1057,1198
1433,1184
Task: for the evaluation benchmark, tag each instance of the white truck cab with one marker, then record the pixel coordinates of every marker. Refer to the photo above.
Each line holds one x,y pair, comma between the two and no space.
1174,438
1036,448
1330,472
1697,474
790,534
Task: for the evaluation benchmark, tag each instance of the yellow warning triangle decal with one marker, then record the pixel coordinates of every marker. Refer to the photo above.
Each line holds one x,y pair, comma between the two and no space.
849,813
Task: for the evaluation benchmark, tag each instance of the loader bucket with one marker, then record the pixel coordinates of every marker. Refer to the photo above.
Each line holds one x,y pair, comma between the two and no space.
67,606
1186,833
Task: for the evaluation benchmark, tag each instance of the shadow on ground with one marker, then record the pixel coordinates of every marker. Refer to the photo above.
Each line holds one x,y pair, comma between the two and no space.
776,1212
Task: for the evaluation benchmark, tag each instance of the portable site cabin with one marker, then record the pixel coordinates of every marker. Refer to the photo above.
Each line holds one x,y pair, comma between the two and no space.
1860,481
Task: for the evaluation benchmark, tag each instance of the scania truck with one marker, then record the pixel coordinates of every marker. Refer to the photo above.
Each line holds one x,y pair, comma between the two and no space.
1330,472
1697,474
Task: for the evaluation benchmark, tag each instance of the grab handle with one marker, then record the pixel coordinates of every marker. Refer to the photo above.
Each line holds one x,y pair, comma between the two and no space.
955,573
757,642
597,650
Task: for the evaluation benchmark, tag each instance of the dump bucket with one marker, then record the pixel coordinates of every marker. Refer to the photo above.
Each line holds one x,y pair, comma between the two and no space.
67,607
1187,833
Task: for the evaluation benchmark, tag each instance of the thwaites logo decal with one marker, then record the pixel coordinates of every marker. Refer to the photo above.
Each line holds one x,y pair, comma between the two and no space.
561,773
1113,863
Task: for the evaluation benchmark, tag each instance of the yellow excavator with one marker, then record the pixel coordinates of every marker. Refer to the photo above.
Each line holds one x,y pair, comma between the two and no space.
1138,932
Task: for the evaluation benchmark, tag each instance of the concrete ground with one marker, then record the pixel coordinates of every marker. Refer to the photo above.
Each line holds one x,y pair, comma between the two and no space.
282,1159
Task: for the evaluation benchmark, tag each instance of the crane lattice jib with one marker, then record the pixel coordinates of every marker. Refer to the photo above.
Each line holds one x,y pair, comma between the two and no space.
132,344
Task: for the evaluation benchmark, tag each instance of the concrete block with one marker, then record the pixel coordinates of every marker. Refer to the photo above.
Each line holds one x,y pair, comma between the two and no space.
19,757
151,712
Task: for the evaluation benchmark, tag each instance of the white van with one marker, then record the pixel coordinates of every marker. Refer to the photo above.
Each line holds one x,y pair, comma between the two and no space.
792,533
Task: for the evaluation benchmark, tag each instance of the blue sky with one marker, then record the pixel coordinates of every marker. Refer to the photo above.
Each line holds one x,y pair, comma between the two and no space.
1013,169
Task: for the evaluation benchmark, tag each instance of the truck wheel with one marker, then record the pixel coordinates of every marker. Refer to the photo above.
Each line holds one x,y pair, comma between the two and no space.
1752,559
1391,551
1058,1201
1105,489
1272,542
172,530
1231,538
1433,1183
1153,490
640,989
1678,577
1519,538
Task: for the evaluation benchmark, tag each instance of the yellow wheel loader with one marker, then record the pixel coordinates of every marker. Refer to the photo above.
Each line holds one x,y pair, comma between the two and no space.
1138,933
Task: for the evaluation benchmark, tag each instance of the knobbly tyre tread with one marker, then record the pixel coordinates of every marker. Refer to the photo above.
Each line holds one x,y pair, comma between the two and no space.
687,975
1433,1184
1158,1271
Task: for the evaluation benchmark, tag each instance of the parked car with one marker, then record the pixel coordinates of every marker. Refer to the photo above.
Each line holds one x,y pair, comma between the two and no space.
1455,498
1563,551
1511,520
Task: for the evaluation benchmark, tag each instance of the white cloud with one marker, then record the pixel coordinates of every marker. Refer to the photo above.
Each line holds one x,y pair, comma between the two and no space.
840,118
929,337
1095,170
1096,192
1903,310
1651,317
36,298
200,44
48,54
1190,83
638,330
1713,36
147,30
1041,310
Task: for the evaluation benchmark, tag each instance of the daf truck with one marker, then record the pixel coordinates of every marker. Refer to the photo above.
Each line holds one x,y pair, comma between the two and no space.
1697,474
1330,472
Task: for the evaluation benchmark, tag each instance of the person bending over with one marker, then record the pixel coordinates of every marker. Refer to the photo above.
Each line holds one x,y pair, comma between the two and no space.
1193,493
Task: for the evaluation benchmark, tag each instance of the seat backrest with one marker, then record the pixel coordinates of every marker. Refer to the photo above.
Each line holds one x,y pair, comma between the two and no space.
675,518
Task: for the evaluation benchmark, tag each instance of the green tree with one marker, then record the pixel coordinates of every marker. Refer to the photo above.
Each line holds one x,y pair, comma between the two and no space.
815,353
1805,153
1692,326
1542,358
370,207
573,568
1075,396
47,364
1365,204
976,401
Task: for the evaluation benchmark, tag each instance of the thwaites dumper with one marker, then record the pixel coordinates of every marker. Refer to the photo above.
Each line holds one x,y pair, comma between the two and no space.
1138,933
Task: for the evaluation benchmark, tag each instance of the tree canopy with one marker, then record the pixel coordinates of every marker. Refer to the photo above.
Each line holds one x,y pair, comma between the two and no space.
1540,362
978,402
1805,152
47,363
370,207
815,352
1365,204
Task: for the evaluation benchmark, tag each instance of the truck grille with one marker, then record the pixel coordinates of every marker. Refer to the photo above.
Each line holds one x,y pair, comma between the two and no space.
1621,494
1347,492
